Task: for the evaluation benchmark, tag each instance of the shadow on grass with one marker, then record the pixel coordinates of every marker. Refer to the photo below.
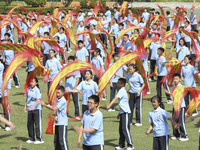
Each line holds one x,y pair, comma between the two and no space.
109,142
18,93
24,139
18,104
5,136
18,148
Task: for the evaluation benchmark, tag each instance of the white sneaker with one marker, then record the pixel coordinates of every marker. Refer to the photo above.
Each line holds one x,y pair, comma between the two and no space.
29,141
104,99
130,148
111,110
17,86
77,118
150,80
169,102
194,114
183,139
148,92
131,124
38,142
138,124
118,147
175,138
8,129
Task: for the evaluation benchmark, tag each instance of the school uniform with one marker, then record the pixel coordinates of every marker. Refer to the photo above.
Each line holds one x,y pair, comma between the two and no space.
161,130
60,136
180,120
93,141
135,82
88,89
55,67
187,38
69,84
162,72
193,21
154,47
108,16
183,52
34,116
104,37
116,15
31,67
119,44
46,49
80,18
114,80
42,30
127,45
98,63
141,24
188,73
178,36
124,124
146,16
5,108
169,23
9,56
80,29
102,53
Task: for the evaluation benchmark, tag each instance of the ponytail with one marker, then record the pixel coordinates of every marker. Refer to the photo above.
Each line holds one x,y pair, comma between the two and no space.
159,101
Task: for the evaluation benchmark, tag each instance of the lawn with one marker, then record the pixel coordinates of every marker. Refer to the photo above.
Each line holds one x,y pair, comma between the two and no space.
17,137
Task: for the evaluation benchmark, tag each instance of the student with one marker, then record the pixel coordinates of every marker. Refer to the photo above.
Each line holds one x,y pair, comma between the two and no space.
116,14
43,29
114,30
7,56
80,18
92,126
158,122
80,29
33,105
8,123
97,61
124,124
105,24
168,21
145,14
54,65
119,44
71,82
193,20
108,14
135,91
82,53
126,43
142,24
45,48
61,120
182,51
187,72
6,109
88,88
153,50
162,72
186,37
114,79
182,135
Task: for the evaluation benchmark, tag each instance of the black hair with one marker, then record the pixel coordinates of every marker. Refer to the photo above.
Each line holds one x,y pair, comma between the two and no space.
80,41
71,58
61,88
126,35
168,12
33,19
161,49
122,81
8,26
185,12
48,11
157,12
87,27
115,54
8,34
115,8
115,19
189,57
54,51
134,66
137,30
62,28
47,33
141,19
97,50
95,98
153,9
88,71
187,21
159,101
177,75
197,31
183,41
121,24
36,80
62,17
107,8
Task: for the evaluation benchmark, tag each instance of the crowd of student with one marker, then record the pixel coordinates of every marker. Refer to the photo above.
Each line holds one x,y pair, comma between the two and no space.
87,81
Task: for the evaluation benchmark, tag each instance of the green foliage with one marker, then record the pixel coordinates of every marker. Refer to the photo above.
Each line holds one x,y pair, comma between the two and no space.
83,3
36,3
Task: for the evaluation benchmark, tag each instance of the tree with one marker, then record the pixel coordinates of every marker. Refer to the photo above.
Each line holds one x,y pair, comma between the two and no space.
66,2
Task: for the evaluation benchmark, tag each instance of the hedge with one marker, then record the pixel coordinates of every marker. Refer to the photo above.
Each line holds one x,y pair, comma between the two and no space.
83,3
35,3
6,9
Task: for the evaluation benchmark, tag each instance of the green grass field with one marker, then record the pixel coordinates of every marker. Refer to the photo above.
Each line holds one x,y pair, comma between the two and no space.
14,139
